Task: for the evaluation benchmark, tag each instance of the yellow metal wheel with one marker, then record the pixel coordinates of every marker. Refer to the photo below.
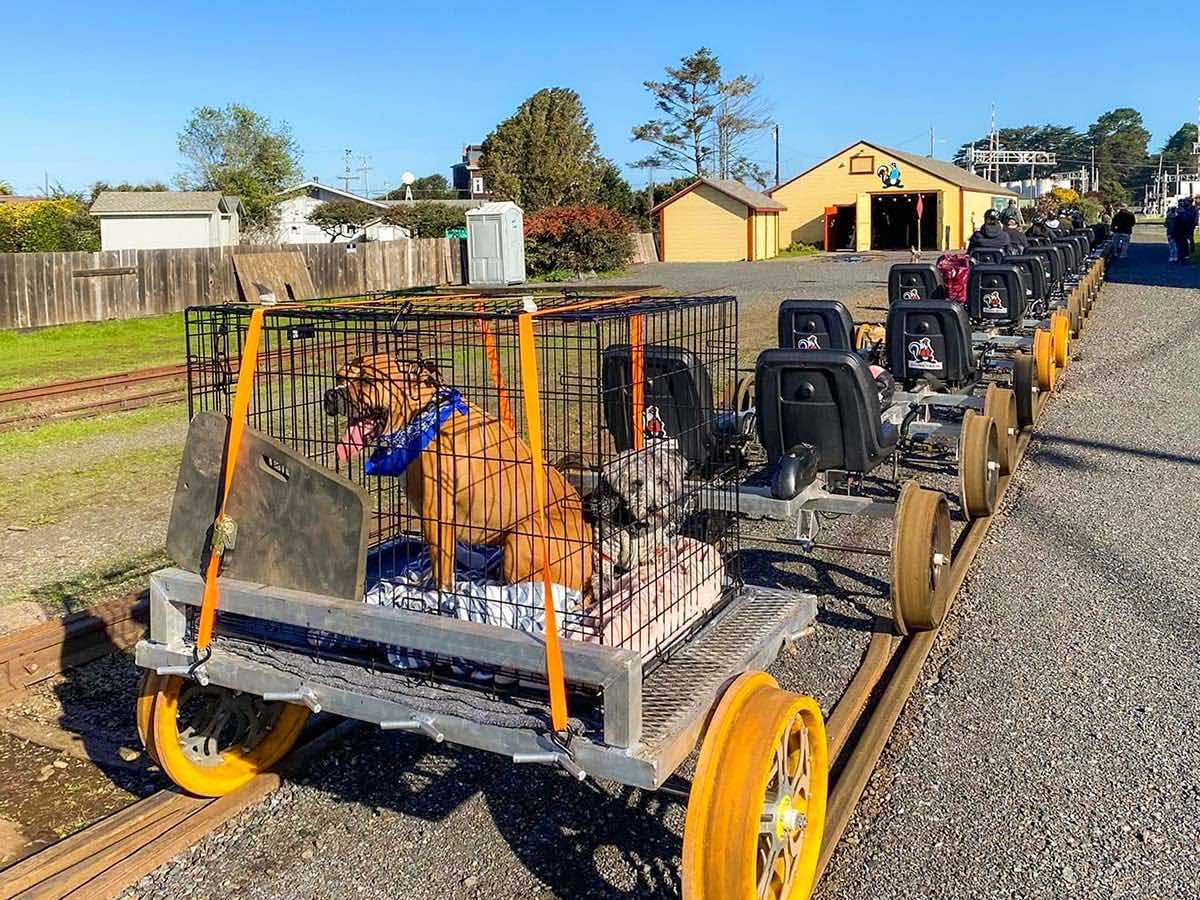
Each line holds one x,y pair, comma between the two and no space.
148,686
756,814
1060,336
211,740
1043,359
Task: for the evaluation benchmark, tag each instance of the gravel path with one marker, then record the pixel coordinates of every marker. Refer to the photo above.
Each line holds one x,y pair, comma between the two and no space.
1049,751
1052,747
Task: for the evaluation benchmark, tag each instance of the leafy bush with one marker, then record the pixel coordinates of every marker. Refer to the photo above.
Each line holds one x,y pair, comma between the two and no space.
578,239
427,219
341,217
45,226
799,248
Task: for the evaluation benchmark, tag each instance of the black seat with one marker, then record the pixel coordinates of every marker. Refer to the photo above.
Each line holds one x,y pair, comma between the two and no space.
1037,240
1052,260
815,325
1033,268
1071,250
996,294
915,281
823,398
678,394
991,256
931,341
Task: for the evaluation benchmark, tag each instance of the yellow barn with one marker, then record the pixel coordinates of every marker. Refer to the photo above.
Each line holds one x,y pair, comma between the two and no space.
717,220
865,197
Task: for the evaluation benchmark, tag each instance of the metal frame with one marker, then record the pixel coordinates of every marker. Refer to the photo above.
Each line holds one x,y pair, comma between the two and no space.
683,686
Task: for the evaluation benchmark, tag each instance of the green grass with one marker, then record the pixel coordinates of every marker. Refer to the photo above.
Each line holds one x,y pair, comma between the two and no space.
88,349
78,431
797,250
79,591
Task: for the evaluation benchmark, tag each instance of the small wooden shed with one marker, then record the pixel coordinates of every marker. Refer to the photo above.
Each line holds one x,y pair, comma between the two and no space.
718,220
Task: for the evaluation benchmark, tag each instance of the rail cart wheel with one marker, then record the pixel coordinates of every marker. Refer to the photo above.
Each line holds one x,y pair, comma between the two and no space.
1075,318
1043,358
920,559
743,395
978,464
212,740
1001,405
148,686
756,814
1024,388
1060,338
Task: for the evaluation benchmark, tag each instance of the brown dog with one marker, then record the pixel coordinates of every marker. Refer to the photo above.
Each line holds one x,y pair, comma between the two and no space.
473,482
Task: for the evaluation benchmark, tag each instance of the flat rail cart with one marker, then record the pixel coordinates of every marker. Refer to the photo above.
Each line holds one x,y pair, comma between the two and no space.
422,514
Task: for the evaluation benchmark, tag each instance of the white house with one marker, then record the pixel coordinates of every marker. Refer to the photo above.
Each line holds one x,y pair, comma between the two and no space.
298,202
152,220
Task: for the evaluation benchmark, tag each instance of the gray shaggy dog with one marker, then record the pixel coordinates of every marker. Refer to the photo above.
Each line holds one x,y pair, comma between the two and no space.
638,506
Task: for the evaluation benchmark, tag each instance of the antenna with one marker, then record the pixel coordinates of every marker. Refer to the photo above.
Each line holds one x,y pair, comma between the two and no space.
407,179
346,178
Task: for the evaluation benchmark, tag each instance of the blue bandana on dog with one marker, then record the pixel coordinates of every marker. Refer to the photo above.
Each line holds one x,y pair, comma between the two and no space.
398,449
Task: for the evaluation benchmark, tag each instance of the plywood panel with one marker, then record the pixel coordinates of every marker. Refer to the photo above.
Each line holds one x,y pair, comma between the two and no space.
283,275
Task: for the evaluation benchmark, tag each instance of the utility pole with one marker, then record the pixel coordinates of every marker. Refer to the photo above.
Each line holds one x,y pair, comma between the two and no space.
346,177
931,142
777,154
364,169
1092,172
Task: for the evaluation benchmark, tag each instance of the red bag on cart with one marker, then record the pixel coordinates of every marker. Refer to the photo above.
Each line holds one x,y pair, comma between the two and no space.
955,267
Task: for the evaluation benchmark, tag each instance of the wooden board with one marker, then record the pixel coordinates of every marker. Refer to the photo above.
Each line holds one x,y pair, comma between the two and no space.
644,249
283,276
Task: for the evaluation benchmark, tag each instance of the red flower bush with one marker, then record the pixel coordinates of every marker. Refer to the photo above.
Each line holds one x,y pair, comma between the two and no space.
577,239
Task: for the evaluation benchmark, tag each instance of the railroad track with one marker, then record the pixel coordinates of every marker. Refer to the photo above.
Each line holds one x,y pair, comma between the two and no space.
79,390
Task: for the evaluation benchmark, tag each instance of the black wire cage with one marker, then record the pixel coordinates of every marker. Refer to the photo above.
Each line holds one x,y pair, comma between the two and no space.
439,407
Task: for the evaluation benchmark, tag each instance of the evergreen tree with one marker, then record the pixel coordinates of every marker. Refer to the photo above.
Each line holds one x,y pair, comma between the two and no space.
545,154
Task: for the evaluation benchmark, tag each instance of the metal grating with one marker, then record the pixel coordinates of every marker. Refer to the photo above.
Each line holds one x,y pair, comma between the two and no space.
752,628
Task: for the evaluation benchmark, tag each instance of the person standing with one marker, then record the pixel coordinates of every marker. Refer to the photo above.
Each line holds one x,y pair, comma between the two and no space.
1169,224
1185,230
1122,225
1012,212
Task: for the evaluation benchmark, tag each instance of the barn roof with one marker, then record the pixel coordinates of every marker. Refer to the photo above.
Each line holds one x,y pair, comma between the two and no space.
734,189
160,202
945,170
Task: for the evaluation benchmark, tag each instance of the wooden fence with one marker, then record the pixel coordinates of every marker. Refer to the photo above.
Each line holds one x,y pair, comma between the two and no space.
39,289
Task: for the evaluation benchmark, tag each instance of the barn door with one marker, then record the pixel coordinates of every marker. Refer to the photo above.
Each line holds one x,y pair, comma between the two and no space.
862,223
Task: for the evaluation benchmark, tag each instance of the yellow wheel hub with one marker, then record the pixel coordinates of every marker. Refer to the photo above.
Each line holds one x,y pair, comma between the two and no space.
212,740
1043,358
756,814
1060,338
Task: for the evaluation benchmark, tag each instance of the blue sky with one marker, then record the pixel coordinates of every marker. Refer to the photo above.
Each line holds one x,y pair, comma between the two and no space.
100,90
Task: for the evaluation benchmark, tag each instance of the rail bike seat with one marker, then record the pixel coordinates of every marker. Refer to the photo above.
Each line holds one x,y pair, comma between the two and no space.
825,399
988,256
1036,240
930,340
1071,251
996,294
915,281
815,325
677,402
1033,269
1052,260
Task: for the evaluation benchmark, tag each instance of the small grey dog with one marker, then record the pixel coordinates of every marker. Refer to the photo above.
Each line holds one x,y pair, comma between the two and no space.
639,506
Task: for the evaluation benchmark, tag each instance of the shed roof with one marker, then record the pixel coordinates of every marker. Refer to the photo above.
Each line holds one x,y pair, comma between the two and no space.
938,168
163,202
734,189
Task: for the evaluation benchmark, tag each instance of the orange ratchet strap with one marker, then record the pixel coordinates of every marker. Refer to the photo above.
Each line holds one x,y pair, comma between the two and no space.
533,418
637,365
237,425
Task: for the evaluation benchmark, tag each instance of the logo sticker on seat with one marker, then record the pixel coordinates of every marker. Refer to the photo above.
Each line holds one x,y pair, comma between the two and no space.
922,356
808,342
993,300
911,294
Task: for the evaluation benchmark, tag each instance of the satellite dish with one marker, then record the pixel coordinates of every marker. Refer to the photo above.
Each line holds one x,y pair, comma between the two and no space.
408,178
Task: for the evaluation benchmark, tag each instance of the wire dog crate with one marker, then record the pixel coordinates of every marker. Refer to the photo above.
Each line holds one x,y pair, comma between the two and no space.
437,407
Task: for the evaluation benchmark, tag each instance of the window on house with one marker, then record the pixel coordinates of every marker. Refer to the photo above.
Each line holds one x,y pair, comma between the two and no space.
862,165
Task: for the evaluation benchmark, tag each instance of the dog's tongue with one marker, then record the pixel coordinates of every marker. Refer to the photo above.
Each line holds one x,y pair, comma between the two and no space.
351,443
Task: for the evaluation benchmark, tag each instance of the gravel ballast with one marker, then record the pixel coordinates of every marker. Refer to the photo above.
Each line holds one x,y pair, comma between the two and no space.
1049,750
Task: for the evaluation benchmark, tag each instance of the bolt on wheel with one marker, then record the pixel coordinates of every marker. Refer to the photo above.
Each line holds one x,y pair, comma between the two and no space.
978,465
756,813
212,740
920,559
